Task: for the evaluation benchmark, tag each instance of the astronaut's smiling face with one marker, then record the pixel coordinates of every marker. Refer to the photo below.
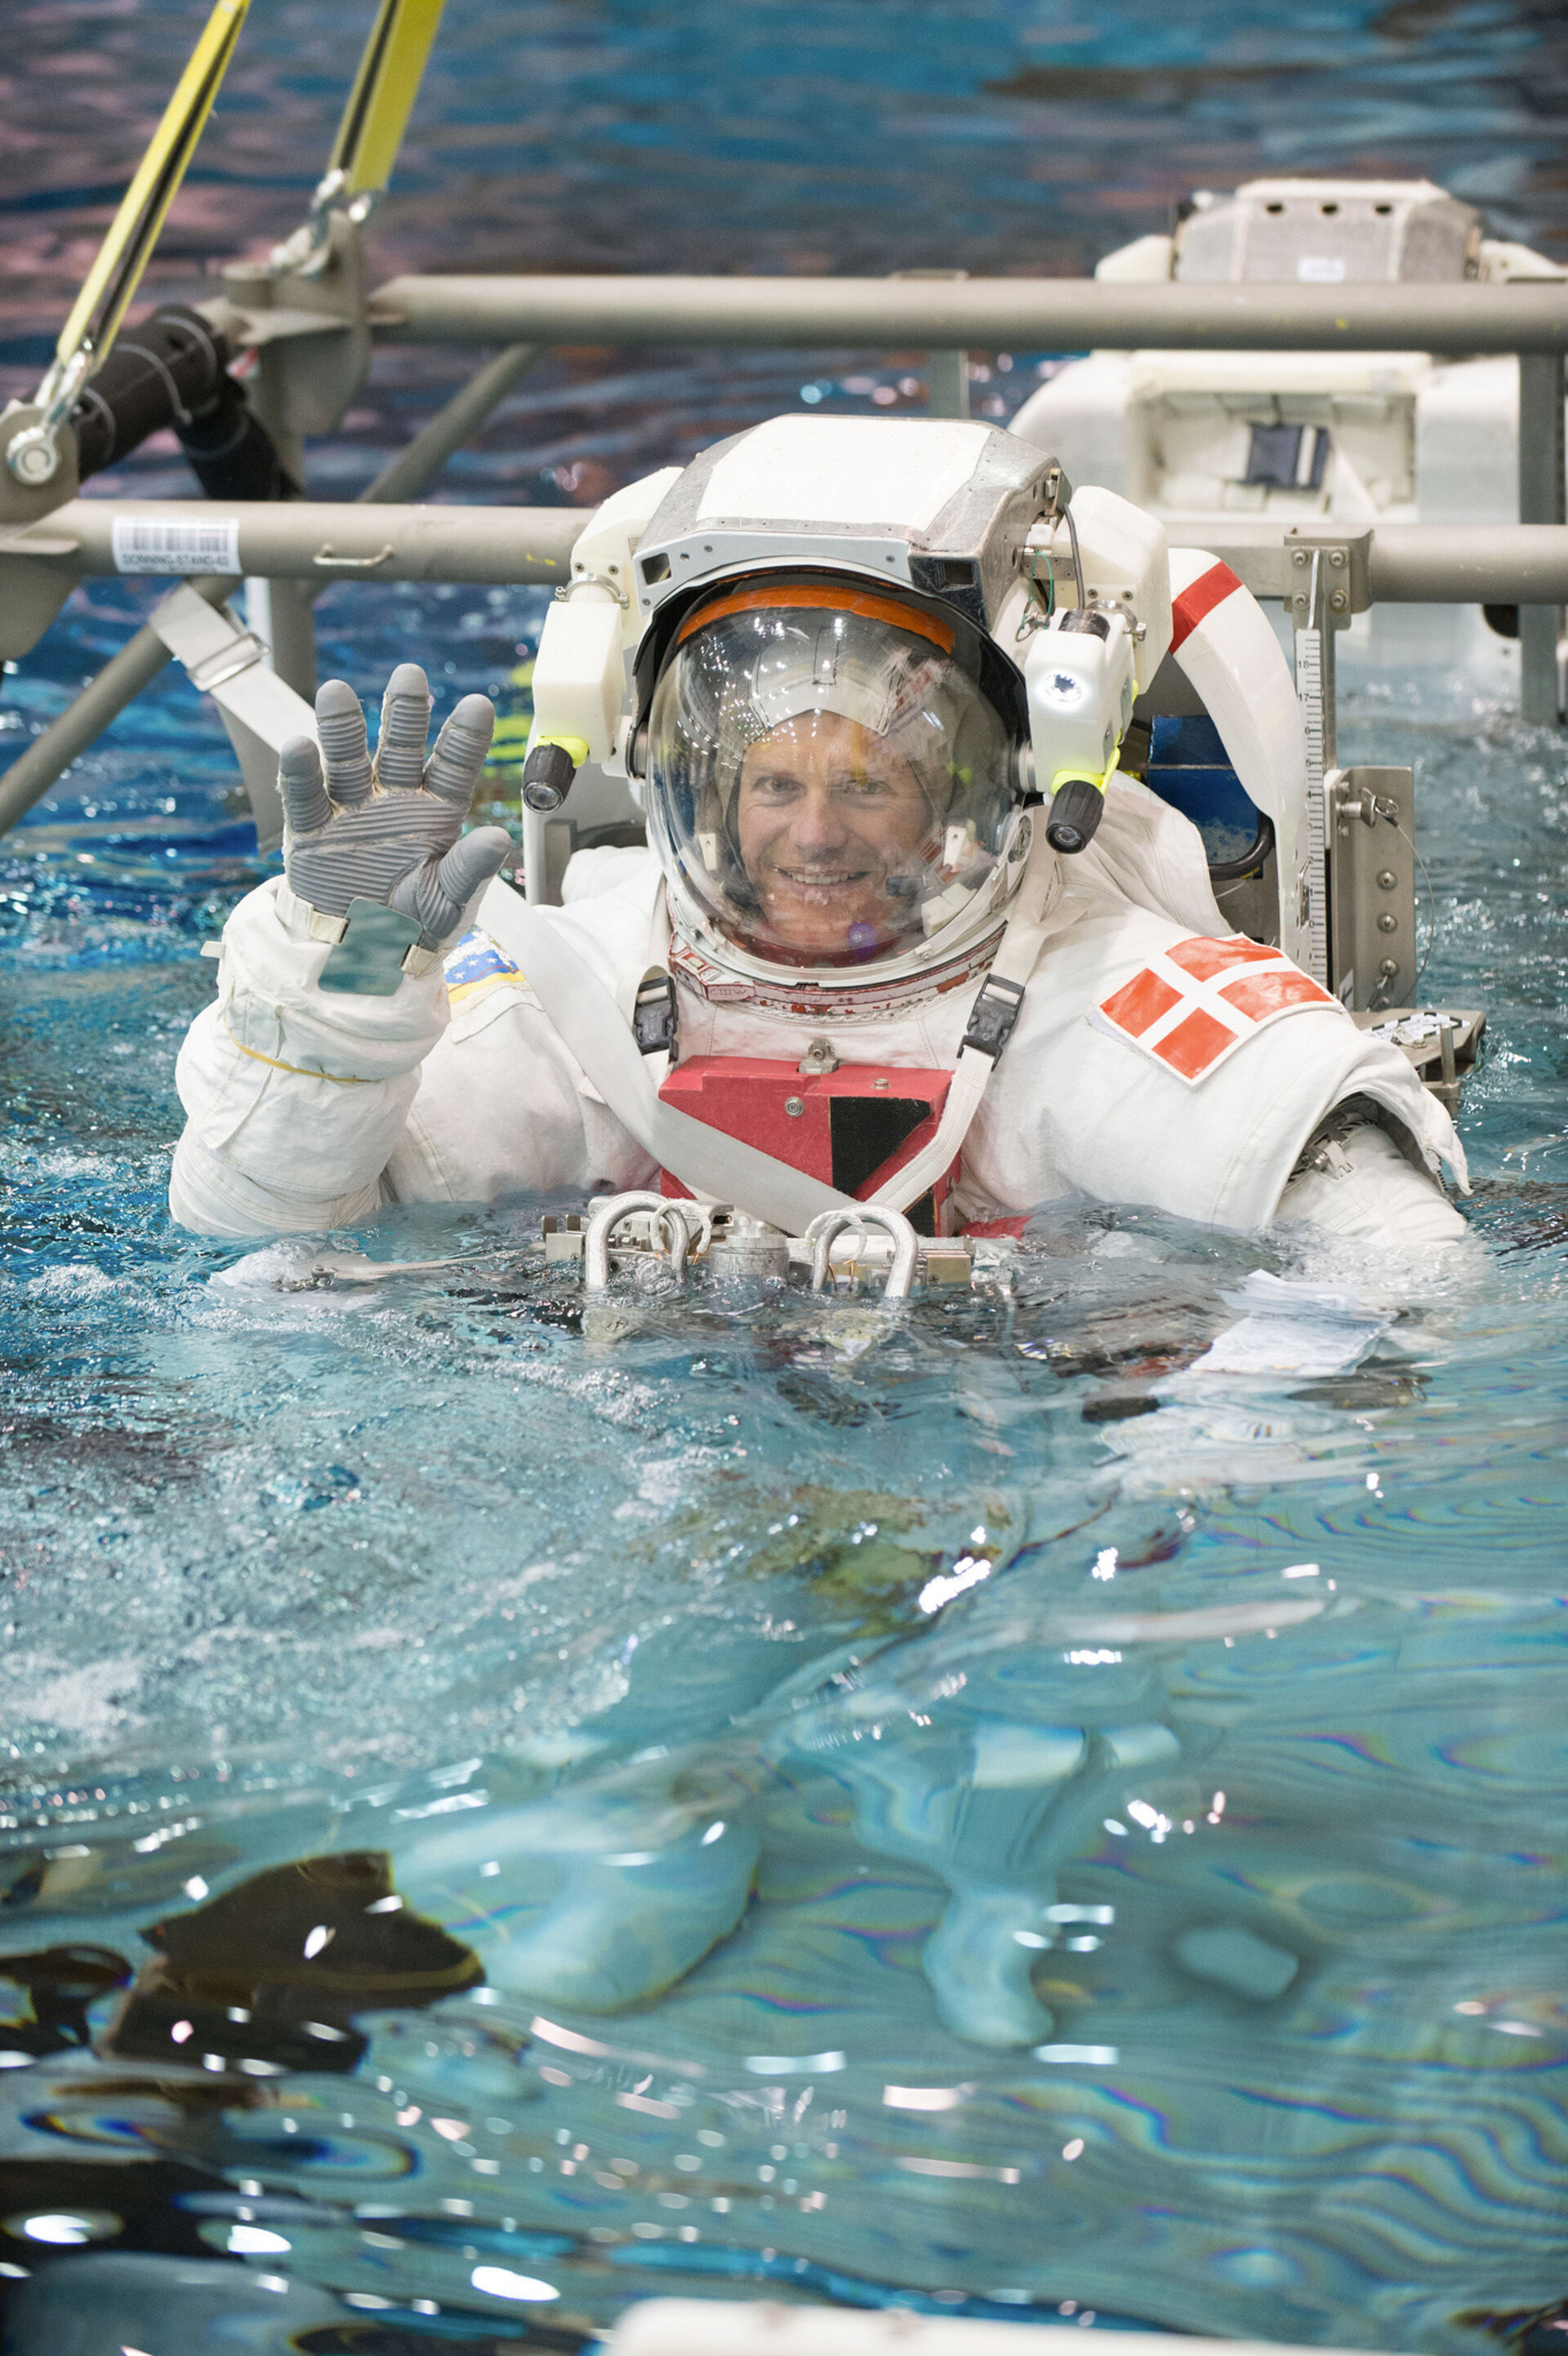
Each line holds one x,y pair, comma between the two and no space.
834,834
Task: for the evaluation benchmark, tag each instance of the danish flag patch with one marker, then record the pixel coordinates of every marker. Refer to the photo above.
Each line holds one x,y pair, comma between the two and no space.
1194,1003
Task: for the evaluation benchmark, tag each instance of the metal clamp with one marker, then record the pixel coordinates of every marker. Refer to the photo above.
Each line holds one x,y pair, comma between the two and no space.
585,577
327,559
829,1225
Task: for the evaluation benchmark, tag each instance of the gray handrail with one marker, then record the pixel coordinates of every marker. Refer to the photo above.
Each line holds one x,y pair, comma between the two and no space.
1405,564
1425,564
305,540
1022,314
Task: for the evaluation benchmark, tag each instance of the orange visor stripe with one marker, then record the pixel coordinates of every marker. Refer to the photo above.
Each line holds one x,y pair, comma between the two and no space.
836,601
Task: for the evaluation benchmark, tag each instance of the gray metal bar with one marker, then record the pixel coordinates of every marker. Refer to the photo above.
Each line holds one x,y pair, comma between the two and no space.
1462,565
1019,313
330,540
321,542
139,661
45,761
406,476
947,384
1539,502
1407,565
410,475
290,631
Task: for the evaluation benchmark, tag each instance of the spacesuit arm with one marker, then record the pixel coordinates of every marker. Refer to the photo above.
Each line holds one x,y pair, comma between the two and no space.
1353,1179
298,1083
294,1096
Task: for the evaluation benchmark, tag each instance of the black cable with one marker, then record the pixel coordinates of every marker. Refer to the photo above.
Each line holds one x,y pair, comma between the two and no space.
1077,558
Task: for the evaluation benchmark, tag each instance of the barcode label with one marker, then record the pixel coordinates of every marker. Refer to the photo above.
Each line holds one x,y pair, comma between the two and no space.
161,545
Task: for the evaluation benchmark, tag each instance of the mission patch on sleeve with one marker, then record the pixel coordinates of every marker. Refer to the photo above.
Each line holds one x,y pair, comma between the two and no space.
1193,1004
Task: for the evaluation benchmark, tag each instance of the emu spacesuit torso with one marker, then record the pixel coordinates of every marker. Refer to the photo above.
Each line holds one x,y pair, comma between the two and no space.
855,796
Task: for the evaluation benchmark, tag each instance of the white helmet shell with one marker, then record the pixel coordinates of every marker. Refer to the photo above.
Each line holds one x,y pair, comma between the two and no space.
834,743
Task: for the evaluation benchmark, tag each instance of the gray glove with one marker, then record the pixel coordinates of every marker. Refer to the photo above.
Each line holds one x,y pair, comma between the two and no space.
389,830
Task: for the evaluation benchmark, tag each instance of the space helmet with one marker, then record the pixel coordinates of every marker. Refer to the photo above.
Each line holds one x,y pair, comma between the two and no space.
832,736
830,778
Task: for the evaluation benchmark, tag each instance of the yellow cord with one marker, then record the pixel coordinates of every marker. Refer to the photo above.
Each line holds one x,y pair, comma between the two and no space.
123,254
338,1079
385,88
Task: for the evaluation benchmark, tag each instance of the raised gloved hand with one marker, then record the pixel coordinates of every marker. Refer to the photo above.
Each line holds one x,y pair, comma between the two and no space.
387,831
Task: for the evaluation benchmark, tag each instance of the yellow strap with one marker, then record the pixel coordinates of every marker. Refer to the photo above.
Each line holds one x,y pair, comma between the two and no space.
385,88
125,252
338,1079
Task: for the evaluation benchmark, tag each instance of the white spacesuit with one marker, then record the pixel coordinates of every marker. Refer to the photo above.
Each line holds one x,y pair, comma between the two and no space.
903,931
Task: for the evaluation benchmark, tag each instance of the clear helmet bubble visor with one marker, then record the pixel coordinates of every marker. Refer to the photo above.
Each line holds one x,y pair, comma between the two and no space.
828,784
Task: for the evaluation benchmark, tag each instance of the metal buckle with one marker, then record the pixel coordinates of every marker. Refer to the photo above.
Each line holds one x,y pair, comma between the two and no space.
653,1016
226,663
992,1017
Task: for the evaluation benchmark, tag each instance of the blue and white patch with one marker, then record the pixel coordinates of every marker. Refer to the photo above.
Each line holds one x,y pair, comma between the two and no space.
477,965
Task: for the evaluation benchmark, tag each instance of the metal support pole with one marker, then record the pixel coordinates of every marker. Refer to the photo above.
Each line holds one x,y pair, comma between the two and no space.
289,632
1540,392
947,384
288,629
320,541
416,466
139,661
918,312
947,372
124,676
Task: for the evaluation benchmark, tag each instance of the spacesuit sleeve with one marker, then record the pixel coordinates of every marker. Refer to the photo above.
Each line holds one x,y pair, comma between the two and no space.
1353,1181
295,1098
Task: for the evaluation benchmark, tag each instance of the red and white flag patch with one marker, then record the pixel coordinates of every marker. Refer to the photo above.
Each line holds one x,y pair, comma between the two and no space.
1192,1005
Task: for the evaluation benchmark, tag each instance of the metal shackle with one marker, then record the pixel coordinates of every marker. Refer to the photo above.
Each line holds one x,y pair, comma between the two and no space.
681,1223
696,1221
699,1218
829,1225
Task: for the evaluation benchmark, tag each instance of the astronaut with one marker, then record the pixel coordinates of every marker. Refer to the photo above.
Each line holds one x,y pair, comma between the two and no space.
904,930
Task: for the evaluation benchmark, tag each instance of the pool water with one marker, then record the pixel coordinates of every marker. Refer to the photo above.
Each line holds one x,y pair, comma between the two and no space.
508,1811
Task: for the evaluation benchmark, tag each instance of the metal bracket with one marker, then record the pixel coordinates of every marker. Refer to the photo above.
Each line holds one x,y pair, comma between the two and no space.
308,330
1372,865
327,558
215,670
22,502
1345,560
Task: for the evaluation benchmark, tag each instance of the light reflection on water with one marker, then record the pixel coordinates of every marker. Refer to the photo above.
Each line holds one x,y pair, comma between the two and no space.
426,1574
